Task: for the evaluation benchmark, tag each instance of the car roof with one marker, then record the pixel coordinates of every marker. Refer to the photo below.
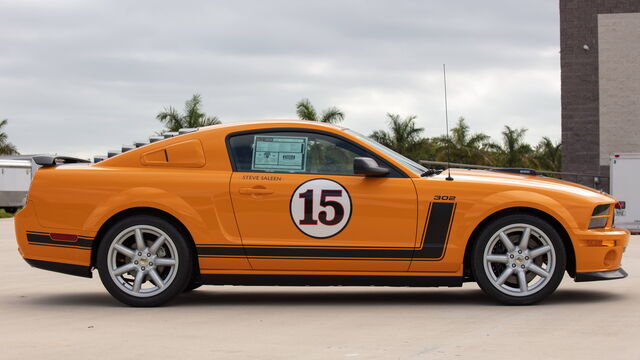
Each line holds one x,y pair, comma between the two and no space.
258,124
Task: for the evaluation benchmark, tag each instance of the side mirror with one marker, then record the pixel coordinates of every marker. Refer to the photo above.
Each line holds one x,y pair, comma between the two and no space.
368,167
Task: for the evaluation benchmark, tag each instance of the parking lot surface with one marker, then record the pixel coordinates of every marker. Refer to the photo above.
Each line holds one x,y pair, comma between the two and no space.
47,315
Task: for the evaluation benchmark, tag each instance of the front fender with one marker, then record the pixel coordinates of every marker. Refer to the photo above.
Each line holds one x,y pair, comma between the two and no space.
489,205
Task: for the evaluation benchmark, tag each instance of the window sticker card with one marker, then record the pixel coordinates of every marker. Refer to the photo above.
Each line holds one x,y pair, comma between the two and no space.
273,153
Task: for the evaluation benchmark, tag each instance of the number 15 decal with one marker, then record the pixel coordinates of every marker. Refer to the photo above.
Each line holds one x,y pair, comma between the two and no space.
320,208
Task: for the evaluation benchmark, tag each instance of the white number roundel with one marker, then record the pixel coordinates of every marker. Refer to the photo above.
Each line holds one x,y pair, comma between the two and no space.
320,208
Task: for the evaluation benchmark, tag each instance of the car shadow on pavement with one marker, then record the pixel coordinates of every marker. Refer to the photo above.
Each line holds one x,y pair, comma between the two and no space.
333,297
317,297
570,296
397,297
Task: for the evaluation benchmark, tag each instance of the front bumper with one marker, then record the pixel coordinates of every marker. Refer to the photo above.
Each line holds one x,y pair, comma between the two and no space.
599,250
601,275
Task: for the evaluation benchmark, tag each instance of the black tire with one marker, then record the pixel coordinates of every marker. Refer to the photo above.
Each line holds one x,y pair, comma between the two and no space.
192,286
517,223
183,269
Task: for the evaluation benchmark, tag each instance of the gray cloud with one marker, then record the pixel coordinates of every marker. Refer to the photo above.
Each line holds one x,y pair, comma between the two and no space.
82,77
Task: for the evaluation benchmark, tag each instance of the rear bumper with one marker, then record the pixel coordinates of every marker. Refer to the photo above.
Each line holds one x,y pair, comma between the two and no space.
51,246
601,275
70,269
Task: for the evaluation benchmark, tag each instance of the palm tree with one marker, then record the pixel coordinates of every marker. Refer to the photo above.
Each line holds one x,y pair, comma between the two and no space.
464,147
192,117
548,156
403,135
514,152
306,111
6,148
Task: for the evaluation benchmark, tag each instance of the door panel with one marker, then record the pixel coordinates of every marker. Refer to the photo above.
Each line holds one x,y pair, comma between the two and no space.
377,234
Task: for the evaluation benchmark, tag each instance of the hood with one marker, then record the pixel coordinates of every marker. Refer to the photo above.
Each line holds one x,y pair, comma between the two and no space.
530,182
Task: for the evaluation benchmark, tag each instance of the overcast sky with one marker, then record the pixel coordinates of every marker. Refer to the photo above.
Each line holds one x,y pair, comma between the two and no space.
83,77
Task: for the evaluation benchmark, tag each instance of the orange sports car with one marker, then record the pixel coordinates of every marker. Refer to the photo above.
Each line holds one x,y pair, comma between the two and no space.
303,203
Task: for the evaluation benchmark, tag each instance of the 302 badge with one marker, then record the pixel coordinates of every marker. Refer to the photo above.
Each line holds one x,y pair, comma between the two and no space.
444,198
320,208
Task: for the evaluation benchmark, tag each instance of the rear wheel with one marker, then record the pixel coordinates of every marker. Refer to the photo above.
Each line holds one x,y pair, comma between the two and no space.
519,259
144,261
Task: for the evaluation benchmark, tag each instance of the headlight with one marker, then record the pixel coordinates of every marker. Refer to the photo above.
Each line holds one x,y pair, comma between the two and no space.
600,216
601,210
598,223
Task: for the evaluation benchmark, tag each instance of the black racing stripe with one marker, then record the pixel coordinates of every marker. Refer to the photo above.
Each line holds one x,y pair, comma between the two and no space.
221,250
437,230
40,238
353,253
314,246
60,246
305,252
47,234
436,234
296,258
37,232
330,280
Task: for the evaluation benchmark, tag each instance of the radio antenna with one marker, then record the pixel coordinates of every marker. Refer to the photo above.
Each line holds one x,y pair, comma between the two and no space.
446,120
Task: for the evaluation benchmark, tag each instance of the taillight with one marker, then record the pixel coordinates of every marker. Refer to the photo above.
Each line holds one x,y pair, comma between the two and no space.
620,205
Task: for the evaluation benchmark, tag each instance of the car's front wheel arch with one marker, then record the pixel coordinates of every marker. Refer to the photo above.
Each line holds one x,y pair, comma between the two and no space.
564,235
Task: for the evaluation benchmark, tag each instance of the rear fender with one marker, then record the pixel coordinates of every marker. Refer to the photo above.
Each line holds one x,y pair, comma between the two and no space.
151,198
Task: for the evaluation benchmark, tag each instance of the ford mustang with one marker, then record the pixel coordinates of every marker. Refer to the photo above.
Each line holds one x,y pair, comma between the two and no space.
303,203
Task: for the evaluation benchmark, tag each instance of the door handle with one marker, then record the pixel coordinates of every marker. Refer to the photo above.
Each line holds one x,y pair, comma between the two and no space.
261,190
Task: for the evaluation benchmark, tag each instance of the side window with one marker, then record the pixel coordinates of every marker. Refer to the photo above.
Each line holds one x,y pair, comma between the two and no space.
295,152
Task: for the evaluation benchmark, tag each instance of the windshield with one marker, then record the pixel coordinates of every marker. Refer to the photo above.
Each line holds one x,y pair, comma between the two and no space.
412,165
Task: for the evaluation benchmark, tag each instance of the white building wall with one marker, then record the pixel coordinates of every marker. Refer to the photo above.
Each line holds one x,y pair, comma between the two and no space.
619,78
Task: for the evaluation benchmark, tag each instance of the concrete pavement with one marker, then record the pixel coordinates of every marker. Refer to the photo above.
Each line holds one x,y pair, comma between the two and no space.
47,315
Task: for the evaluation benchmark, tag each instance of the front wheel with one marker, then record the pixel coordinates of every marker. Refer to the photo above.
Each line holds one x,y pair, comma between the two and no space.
144,261
519,259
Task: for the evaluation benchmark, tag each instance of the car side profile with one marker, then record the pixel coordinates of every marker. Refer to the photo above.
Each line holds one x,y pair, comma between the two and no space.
305,203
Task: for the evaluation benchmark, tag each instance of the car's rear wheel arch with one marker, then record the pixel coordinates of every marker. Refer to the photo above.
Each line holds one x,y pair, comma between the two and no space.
564,235
151,212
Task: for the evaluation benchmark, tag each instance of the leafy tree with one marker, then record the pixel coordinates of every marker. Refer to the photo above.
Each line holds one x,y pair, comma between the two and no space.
513,152
464,147
548,156
306,111
192,117
404,137
6,148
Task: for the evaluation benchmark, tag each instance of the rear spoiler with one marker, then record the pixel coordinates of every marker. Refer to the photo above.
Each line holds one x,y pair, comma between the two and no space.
48,161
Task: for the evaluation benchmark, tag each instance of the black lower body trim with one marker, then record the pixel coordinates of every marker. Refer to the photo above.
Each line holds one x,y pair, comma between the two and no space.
70,269
80,242
330,280
602,275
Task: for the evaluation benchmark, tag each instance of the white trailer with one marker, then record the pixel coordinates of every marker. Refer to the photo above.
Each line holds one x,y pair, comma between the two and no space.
15,179
623,180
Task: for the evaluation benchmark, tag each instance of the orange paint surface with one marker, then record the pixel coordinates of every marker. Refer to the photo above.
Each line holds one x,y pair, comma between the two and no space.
190,178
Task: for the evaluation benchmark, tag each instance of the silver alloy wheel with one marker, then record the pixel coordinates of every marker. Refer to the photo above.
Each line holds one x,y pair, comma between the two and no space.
142,260
519,260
